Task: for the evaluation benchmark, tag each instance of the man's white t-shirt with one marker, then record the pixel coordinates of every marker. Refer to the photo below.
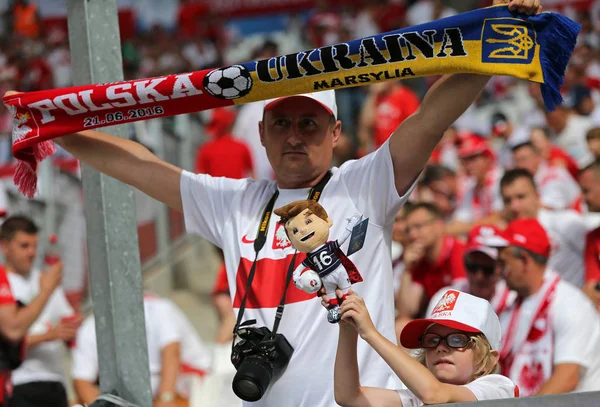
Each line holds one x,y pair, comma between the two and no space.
228,212
165,324
557,188
566,230
477,203
575,326
490,387
44,362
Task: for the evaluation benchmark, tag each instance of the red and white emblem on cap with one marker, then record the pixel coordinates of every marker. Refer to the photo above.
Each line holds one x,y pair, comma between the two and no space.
447,302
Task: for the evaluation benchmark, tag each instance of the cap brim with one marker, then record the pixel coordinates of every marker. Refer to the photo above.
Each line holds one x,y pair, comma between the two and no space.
491,252
409,337
495,241
277,101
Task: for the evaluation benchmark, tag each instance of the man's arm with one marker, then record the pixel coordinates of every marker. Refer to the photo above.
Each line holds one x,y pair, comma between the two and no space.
15,321
127,161
410,297
564,379
86,391
413,142
170,361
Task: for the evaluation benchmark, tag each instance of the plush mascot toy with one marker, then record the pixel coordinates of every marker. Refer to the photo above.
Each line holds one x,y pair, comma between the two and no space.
307,226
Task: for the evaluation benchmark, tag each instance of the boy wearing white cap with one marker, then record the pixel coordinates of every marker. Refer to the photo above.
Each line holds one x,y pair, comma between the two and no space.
456,360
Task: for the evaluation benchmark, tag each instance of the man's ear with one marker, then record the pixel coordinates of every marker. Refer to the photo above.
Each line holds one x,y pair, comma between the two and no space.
329,222
261,131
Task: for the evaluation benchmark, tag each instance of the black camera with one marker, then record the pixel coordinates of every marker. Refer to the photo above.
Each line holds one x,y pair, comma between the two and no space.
259,358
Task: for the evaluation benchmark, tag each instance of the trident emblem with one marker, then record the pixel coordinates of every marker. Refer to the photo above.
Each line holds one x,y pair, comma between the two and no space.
518,42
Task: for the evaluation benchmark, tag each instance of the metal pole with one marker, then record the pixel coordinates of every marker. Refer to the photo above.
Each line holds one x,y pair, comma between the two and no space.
115,271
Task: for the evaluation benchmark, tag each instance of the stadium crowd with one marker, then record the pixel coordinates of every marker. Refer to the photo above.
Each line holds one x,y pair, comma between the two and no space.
505,168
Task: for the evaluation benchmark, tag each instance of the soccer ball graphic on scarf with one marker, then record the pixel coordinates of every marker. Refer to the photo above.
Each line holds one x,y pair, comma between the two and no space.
310,281
228,83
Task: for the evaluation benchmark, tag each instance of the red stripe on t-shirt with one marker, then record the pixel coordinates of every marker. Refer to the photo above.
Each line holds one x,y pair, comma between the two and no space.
6,296
267,286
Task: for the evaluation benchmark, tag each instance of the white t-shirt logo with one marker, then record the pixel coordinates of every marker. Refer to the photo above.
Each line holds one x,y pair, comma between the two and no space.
281,241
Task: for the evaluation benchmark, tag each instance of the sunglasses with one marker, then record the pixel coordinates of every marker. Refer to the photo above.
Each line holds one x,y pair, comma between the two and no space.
487,269
455,340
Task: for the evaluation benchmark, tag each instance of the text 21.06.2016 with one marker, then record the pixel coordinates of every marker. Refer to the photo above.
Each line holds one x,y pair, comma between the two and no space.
132,114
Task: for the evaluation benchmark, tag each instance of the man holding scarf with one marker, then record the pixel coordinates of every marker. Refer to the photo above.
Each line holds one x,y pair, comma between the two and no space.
299,134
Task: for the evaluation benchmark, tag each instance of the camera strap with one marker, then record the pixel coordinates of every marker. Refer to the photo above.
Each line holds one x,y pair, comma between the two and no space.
259,242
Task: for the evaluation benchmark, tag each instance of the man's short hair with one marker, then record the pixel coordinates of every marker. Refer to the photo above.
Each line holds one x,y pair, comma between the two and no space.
592,133
429,207
515,174
17,223
537,258
594,167
518,146
435,173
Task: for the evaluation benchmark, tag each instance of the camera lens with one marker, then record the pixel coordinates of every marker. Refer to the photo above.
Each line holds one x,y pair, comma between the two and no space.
252,379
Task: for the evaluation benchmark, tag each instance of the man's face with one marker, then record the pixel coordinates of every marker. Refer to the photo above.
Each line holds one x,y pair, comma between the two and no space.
590,187
476,166
527,158
483,273
594,146
541,143
399,231
444,195
520,199
513,269
423,228
20,251
307,231
299,136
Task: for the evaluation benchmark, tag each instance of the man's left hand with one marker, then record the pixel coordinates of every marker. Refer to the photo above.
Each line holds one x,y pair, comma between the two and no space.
530,7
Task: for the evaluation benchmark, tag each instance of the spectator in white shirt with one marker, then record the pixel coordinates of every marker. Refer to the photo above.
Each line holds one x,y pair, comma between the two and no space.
558,190
41,379
566,228
551,332
175,352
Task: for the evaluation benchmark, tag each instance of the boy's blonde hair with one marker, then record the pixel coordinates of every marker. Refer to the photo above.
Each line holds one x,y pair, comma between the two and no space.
484,363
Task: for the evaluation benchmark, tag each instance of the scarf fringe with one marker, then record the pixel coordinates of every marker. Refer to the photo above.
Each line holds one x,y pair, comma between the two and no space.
560,44
25,177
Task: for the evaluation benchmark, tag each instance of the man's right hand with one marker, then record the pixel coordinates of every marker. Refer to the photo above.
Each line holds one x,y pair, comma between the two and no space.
413,254
64,331
51,278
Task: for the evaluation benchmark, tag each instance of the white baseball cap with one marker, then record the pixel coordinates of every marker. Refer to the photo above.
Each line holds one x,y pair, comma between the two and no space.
325,98
458,310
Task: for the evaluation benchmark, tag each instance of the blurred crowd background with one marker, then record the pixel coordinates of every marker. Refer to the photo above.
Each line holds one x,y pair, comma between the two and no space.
506,128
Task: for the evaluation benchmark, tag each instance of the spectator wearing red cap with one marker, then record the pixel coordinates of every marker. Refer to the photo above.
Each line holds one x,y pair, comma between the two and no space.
456,356
590,185
551,332
566,228
484,274
481,201
223,156
558,190
432,260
